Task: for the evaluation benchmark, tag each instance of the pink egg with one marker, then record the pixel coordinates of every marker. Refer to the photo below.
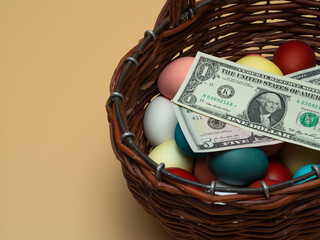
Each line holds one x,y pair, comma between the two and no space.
202,172
270,150
172,76
254,54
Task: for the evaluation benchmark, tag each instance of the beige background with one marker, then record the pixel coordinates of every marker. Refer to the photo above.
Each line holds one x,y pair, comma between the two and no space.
59,178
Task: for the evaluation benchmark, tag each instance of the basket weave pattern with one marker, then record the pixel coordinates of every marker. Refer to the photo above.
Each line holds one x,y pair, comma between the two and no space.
230,30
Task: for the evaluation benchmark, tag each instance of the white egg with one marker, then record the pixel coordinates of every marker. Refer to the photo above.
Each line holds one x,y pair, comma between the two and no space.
159,121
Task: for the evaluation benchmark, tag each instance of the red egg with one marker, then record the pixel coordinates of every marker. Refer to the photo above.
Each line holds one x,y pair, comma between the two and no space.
277,171
184,174
202,172
294,56
270,150
257,184
268,182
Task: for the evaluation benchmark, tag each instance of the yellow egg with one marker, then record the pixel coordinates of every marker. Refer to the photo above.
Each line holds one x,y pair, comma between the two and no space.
169,154
295,156
260,63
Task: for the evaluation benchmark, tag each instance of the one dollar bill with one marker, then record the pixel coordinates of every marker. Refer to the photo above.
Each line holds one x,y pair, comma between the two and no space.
205,134
262,103
310,75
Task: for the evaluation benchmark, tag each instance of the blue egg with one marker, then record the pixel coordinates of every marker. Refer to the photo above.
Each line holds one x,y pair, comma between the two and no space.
304,170
238,167
183,144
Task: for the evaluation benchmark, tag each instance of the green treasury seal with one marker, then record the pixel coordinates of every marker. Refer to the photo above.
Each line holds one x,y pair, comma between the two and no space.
309,119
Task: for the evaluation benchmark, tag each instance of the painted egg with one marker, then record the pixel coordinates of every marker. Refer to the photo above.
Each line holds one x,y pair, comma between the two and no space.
260,63
272,149
257,184
183,144
255,54
295,156
172,76
202,171
268,182
293,56
169,154
304,170
278,171
238,167
159,121
185,174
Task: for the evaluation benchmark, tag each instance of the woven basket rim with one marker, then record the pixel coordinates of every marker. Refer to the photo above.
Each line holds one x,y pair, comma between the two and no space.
126,140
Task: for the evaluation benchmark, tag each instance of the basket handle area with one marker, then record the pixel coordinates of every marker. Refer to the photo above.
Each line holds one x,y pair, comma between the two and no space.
173,10
176,8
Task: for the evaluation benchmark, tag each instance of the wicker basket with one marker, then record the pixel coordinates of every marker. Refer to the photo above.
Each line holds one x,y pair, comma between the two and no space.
230,30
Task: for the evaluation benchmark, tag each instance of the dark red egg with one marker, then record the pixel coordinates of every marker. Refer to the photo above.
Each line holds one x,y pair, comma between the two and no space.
257,184
268,182
272,149
293,56
202,171
278,171
184,174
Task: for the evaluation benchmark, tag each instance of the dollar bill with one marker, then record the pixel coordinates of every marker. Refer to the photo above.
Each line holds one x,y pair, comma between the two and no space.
205,134
310,75
263,103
